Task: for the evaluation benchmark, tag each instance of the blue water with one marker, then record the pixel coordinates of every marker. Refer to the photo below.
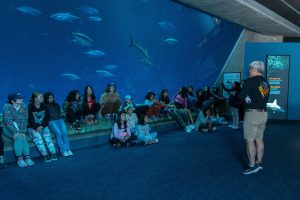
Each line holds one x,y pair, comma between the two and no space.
37,50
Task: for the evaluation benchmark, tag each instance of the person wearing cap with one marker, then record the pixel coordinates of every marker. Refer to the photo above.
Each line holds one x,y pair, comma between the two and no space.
15,121
38,127
110,102
255,93
138,110
128,102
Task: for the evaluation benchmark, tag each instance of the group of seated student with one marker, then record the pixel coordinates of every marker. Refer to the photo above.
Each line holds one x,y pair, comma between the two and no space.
129,131
43,116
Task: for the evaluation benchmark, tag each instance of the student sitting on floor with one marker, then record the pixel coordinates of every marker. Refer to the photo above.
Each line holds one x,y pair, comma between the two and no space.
57,125
204,122
15,121
121,135
143,131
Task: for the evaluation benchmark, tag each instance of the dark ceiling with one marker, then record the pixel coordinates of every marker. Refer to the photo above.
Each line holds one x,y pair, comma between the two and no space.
288,9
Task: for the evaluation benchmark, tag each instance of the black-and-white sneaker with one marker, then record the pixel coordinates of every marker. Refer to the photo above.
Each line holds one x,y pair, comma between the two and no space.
251,170
259,166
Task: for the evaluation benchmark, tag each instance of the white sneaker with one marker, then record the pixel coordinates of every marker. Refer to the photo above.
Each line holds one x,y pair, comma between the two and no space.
29,162
214,128
22,163
235,127
231,125
70,153
204,130
65,154
187,129
191,126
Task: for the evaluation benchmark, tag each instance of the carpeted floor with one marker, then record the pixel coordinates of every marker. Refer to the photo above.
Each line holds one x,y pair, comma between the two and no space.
182,166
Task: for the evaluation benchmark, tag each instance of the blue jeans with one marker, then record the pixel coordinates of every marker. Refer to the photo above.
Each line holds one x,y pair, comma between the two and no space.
147,137
60,130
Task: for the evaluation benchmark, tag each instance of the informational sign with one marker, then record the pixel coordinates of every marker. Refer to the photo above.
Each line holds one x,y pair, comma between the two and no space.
228,79
277,71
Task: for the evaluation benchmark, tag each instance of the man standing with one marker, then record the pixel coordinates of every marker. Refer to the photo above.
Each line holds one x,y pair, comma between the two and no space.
255,92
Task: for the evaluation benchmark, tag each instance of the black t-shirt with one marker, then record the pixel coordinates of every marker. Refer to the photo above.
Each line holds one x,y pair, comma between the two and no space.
257,89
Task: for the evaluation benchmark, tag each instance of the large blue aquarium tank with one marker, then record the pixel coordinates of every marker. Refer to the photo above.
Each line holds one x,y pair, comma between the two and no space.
140,45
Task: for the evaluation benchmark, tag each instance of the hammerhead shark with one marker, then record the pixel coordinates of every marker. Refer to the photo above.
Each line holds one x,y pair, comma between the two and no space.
145,58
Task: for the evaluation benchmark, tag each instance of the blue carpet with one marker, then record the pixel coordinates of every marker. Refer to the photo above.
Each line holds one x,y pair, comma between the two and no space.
181,166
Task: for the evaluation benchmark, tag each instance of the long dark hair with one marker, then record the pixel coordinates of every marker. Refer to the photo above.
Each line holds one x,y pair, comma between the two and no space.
197,93
142,119
183,92
72,96
85,93
237,85
33,96
188,87
149,94
119,120
163,98
46,98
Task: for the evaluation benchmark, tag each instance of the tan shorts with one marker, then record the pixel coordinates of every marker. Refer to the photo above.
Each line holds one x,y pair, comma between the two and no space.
254,125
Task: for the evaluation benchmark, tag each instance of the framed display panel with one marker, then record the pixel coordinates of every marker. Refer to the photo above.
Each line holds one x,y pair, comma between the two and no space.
228,79
277,73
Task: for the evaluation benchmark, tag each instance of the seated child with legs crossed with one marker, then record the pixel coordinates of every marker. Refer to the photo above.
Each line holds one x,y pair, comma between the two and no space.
132,120
143,131
121,135
204,122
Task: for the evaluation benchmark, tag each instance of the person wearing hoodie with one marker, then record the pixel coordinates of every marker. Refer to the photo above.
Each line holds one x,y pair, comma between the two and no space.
57,125
15,120
38,127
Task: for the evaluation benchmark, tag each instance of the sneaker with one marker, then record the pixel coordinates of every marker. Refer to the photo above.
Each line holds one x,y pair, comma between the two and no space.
2,163
53,156
214,128
191,126
22,163
70,153
235,127
29,162
77,124
155,140
230,126
259,166
47,158
251,170
65,154
74,127
205,130
187,129
118,146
